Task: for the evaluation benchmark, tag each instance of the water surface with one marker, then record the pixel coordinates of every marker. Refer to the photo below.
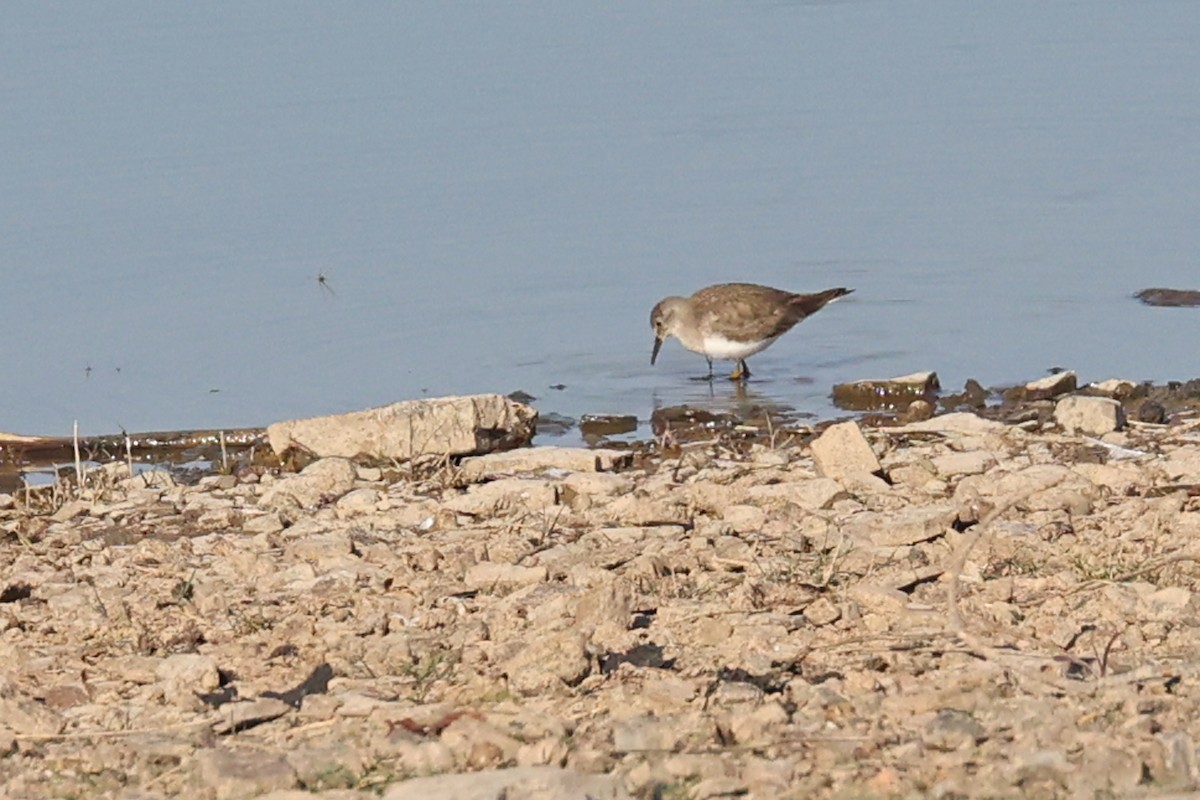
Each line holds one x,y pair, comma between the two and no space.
497,194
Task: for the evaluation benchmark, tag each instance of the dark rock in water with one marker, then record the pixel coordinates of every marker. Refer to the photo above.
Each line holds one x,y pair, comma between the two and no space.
975,393
598,425
1173,298
893,394
521,397
677,418
552,424
972,396
1152,412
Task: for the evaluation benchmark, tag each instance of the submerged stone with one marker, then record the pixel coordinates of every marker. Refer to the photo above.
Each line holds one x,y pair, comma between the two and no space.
892,394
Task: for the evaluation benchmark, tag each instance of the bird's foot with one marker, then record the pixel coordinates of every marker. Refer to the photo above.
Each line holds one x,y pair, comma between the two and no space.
741,372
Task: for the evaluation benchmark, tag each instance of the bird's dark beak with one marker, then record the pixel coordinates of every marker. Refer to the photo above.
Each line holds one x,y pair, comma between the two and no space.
657,346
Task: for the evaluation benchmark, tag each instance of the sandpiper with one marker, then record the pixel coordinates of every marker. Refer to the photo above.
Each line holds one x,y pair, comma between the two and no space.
733,321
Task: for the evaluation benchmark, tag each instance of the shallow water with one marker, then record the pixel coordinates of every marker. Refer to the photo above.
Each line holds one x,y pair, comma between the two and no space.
497,195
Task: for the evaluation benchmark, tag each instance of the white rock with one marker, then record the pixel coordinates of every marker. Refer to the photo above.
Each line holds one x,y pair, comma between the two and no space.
744,518
549,664
812,495
1051,385
1091,415
497,497
1114,387
974,462
321,480
842,450
451,426
960,422
538,459
184,674
359,501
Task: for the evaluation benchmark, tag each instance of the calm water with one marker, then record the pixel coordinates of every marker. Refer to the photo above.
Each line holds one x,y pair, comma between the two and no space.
498,193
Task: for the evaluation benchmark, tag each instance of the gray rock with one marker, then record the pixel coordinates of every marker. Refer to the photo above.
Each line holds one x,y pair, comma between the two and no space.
1095,416
549,664
445,426
842,450
237,716
952,729
523,783
490,576
320,481
184,674
904,526
233,774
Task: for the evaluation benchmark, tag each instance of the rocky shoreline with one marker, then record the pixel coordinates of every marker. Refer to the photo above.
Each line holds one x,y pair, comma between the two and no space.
953,607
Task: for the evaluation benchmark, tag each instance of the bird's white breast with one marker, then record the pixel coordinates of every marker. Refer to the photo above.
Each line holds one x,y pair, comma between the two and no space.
717,346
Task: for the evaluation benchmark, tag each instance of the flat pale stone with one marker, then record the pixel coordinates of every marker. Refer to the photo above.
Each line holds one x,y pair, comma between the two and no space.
1094,416
537,459
449,426
497,497
744,518
233,774
528,783
238,716
974,462
319,481
813,494
1114,387
960,422
842,450
1051,385
905,526
489,575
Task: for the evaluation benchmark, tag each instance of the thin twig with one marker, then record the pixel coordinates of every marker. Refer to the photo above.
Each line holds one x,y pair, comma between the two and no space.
78,462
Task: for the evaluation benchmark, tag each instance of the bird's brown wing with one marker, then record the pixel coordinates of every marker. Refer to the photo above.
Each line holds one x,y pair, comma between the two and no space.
742,311
747,311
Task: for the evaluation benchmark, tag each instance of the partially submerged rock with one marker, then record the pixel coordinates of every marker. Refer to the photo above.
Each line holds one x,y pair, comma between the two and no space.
447,426
1169,297
891,394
